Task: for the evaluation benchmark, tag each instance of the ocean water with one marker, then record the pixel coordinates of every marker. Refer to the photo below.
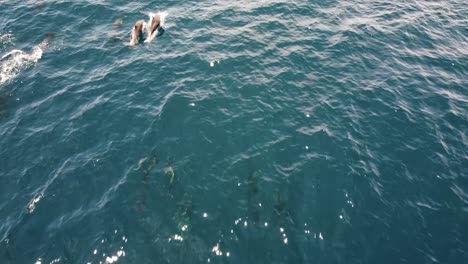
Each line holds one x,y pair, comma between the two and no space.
248,132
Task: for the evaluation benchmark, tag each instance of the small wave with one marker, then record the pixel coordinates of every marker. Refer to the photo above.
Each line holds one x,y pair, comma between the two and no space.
32,204
14,61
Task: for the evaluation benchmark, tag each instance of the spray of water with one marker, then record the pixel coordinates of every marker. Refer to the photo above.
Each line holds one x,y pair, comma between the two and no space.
13,62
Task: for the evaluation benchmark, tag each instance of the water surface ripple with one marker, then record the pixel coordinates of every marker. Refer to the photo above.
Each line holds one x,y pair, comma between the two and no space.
249,132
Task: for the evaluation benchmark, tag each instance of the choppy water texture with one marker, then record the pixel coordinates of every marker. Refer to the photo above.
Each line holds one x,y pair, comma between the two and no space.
249,132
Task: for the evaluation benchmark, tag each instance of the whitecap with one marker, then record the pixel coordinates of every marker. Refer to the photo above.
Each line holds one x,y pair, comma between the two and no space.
12,63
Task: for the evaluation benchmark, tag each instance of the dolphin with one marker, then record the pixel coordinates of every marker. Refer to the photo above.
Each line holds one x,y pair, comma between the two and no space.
137,32
153,27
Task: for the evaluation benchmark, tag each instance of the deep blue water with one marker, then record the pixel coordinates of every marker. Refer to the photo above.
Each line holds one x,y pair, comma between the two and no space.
249,132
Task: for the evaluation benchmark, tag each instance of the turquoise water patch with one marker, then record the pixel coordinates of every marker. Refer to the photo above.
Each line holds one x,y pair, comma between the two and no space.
249,132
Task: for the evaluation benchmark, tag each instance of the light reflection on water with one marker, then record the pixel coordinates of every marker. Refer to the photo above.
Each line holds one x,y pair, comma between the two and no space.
299,131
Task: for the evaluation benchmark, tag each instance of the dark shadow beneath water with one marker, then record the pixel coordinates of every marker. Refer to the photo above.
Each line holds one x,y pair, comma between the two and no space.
160,32
3,106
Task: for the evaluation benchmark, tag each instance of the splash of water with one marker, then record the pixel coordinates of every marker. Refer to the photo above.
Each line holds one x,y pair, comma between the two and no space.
12,63
6,39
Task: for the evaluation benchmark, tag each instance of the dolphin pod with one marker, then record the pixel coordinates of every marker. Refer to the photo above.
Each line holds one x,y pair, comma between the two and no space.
151,28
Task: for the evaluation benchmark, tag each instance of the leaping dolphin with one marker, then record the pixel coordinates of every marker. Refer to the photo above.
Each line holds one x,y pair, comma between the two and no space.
137,32
153,27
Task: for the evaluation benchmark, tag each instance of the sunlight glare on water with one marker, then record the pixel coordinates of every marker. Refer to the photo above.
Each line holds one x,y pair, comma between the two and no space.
245,132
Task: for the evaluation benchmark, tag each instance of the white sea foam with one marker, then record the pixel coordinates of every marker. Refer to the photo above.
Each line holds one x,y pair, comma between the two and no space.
7,38
14,61
32,204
